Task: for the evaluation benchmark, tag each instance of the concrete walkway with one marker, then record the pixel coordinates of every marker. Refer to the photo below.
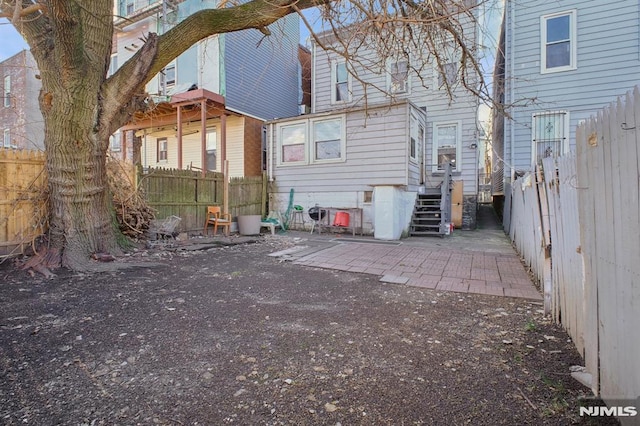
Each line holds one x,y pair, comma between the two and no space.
481,261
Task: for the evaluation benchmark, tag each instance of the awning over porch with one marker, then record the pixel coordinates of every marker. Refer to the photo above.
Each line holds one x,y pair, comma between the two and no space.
191,106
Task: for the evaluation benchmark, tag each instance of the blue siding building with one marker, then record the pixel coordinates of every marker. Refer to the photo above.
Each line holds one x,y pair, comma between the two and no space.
563,62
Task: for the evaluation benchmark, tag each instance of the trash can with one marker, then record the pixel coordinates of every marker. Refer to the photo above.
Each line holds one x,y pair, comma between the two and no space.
249,224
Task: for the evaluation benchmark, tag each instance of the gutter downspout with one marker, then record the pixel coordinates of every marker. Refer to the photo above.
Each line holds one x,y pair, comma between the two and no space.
512,131
313,77
270,152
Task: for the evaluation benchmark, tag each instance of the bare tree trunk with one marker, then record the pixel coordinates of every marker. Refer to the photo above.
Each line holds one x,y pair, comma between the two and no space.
81,222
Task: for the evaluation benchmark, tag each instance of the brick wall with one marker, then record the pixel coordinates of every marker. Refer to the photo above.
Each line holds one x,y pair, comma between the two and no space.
22,117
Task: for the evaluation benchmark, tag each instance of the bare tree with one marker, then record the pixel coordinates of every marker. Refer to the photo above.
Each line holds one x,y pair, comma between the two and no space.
72,41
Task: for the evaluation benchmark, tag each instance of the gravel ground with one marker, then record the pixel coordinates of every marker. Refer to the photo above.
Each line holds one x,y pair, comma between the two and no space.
231,335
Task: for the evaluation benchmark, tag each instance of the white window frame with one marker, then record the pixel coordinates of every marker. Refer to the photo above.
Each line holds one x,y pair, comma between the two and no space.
573,42
159,141
113,64
164,85
415,125
438,77
310,142
211,144
434,151
334,82
407,82
7,91
280,127
564,148
115,142
6,141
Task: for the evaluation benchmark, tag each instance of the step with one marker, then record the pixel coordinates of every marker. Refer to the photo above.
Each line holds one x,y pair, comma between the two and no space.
425,233
425,228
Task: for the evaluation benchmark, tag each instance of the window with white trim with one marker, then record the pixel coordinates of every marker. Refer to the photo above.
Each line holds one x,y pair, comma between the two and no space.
398,76
550,134
447,145
168,77
162,150
558,42
7,91
7,138
115,142
317,140
416,138
211,148
340,82
327,139
293,142
113,65
448,76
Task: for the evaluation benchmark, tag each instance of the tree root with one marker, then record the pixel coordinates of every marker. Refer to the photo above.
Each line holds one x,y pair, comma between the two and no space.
43,261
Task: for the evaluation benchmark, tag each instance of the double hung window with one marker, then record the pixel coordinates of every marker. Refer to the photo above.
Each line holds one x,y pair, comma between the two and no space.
558,42
447,144
398,76
340,83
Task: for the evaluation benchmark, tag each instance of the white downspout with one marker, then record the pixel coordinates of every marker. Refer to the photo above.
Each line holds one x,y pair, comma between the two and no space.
512,131
313,77
270,152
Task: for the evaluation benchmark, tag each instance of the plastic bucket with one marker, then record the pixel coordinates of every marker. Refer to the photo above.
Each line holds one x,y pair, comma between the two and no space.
249,224
341,219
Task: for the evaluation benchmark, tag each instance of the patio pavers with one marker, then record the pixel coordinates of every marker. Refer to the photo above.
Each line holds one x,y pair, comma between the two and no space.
495,274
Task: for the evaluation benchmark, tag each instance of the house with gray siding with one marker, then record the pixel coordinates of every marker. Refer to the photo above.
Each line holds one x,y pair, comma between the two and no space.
241,78
20,117
376,138
563,62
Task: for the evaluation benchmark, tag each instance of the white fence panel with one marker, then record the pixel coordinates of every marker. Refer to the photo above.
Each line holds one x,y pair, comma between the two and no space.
526,229
567,304
610,221
593,220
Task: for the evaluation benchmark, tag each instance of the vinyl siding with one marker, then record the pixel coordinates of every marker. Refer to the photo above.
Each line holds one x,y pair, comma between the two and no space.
235,146
261,73
608,63
192,148
376,154
462,108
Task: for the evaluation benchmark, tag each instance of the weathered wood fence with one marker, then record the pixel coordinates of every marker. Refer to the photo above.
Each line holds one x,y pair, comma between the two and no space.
186,194
22,199
576,222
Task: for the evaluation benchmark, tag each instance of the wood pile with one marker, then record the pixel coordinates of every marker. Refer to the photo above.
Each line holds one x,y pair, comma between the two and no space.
132,211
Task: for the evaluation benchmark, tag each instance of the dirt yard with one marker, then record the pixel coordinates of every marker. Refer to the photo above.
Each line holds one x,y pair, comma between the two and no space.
231,335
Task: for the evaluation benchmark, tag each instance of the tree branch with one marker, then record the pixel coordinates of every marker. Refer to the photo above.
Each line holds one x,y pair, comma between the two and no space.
158,51
19,11
119,93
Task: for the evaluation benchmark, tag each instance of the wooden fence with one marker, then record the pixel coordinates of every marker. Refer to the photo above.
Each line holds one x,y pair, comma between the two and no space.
608,148
22,199
186,194
588,207
182,193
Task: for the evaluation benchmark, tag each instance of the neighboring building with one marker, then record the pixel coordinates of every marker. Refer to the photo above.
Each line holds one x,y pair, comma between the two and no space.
241,79
563,62
20,117
377,151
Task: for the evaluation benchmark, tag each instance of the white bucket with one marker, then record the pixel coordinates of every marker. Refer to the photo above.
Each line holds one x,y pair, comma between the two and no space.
249,224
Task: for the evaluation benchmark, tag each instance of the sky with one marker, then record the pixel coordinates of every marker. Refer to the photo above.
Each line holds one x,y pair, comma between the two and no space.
12,42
